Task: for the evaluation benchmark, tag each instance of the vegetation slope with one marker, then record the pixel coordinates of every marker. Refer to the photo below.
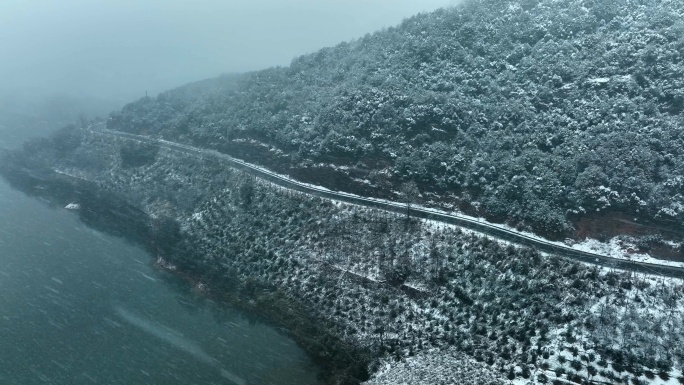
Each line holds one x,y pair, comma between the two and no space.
365,292
539,113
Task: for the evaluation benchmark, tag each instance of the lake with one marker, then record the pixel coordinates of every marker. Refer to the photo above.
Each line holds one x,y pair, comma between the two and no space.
81,307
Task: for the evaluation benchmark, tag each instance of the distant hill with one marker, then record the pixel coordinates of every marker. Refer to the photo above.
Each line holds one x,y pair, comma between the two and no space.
537,113
25,115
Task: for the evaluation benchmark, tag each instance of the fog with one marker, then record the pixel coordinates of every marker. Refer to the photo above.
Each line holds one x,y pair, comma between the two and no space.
116,50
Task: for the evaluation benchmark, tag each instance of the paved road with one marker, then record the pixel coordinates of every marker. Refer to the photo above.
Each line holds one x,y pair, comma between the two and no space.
465,222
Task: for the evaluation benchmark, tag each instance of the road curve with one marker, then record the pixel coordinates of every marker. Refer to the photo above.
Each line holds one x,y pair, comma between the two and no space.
465,222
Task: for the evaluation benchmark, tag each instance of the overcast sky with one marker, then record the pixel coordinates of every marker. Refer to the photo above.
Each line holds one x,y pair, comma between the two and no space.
122,48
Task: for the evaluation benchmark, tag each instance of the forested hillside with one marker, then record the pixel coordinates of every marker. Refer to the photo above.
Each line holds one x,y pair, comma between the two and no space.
537,113
365,292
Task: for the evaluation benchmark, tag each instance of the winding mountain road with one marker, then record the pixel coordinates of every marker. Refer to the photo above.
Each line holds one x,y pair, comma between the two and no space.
419,212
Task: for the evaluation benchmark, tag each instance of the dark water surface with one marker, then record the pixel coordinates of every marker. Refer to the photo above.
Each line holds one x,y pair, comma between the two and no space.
81,307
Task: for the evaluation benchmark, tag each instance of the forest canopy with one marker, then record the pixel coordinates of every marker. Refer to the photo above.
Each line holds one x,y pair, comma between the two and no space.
535,113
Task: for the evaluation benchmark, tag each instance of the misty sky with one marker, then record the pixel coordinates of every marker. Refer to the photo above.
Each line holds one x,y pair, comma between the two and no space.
118,49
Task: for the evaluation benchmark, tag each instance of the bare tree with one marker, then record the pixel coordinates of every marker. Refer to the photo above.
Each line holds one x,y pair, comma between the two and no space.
409,194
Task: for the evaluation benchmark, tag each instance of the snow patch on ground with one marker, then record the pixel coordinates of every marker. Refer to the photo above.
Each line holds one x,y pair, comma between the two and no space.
616,248
435,367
